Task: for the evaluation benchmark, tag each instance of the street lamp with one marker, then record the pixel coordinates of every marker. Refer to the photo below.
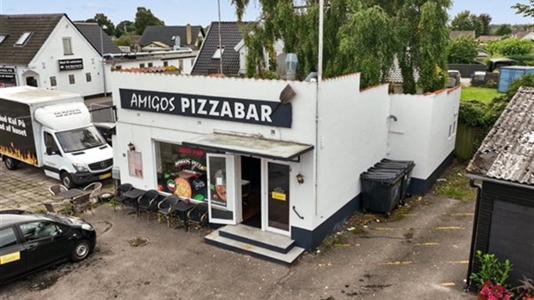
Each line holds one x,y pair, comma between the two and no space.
104,27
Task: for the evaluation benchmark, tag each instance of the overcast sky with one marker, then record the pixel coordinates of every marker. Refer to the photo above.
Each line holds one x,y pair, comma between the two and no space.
202,12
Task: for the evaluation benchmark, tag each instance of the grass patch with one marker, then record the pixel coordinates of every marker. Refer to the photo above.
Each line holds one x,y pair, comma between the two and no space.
455,184
479,93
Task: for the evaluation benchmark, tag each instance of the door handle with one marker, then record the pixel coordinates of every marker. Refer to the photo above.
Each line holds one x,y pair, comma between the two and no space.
31,247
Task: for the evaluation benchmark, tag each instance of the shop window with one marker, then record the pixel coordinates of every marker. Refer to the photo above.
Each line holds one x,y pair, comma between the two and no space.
67,46
181,171
53,81
71,79
88,77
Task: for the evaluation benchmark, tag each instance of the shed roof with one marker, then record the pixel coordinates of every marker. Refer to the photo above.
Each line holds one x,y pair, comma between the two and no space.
13,26
507,152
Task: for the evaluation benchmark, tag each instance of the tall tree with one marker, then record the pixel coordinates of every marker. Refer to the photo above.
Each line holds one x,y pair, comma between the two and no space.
486,21
465,20
462,50
526,10
124,27
414,31
144,18
504,29
104,22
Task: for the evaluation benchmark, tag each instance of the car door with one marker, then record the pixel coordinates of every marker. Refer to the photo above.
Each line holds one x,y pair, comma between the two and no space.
12,255
44,242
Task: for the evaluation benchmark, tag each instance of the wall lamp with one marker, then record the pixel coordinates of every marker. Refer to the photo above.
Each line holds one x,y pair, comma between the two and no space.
300,178
131,146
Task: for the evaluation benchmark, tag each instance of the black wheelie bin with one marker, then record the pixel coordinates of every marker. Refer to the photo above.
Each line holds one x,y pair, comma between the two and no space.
406,166
381,190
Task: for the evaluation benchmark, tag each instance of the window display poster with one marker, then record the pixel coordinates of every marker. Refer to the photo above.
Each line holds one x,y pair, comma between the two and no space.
135,165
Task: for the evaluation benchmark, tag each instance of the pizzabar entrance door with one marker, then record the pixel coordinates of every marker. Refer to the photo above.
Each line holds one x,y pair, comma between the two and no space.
221,183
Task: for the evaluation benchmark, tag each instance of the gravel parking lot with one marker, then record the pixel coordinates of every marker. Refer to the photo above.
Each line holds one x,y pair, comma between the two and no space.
422,255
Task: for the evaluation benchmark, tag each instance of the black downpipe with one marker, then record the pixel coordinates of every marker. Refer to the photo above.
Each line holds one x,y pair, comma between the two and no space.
473,234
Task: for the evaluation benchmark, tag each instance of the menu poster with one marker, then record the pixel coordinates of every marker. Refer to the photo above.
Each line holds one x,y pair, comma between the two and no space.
135,164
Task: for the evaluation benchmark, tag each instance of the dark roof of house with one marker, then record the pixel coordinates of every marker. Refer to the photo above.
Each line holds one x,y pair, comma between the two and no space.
507,152
165,35
487,38
230,37
41,26
92,32
454,34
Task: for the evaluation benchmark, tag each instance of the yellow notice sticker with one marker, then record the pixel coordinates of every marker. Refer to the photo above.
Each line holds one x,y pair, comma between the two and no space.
278,196
4,259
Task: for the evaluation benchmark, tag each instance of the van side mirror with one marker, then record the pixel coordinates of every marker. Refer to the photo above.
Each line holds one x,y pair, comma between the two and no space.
49,150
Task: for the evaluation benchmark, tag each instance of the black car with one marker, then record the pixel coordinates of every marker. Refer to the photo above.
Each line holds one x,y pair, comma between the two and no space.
29,242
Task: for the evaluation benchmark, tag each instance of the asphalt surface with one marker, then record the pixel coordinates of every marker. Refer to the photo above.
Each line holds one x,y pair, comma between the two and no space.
421,254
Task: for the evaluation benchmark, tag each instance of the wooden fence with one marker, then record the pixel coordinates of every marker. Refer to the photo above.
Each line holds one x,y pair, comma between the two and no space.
468,140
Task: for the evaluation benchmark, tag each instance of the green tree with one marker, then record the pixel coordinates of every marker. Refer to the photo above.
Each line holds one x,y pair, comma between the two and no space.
414,31
526,10
104,22
143,18
486,21
465,20
498,104
462,50
509,47
124,27
125,40
504,29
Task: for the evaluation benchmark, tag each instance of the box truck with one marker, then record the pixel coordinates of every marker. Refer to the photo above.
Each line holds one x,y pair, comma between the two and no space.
52,130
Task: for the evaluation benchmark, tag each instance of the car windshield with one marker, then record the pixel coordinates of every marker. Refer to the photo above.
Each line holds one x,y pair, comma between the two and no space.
80,139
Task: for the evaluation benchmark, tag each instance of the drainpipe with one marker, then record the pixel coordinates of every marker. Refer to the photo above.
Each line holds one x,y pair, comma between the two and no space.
473,234
319,81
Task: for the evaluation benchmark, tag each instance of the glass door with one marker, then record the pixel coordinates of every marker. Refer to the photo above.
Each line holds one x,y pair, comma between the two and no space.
277,219
221,183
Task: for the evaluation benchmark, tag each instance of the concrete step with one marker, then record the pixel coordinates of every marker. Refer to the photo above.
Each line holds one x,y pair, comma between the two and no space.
244,248
257,237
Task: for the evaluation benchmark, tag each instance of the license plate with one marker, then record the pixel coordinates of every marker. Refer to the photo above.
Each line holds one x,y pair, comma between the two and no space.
104,176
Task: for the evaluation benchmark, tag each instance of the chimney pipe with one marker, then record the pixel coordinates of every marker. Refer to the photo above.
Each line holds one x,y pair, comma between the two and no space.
188,34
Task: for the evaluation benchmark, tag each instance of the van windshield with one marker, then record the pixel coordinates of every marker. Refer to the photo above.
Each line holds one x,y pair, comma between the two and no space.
79,139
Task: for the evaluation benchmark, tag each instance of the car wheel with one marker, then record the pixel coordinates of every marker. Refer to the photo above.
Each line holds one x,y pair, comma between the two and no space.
11,164
66,180
80,251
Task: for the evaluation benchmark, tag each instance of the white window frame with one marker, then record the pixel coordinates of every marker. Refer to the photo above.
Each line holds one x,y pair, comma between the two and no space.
23,39
67,46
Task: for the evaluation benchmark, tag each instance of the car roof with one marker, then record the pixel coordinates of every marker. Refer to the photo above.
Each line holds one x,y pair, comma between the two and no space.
10,219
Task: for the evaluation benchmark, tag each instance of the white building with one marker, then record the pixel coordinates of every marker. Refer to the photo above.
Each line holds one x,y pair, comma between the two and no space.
298,153
49,51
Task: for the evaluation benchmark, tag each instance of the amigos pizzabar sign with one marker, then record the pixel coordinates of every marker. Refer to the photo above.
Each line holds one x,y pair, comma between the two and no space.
209,107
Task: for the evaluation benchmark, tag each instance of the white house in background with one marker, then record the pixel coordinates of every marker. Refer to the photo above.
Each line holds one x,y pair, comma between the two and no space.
180,59
48,51
279,156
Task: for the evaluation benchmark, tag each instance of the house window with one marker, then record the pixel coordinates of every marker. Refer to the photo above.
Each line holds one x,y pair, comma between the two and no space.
165,63
218,53
2,37
53,81
23,39
118,67
181,65
150,65
71,79
67,46
88,77
181,171
141,65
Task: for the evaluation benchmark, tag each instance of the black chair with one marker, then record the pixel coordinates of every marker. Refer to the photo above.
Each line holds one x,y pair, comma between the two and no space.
165,208
198,217
145,203
119,195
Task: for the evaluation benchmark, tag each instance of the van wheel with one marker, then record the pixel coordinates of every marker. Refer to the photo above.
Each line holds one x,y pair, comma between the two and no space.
66,180
11,164
80,251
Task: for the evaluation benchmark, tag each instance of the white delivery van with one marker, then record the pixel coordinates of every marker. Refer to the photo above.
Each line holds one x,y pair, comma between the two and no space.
52,130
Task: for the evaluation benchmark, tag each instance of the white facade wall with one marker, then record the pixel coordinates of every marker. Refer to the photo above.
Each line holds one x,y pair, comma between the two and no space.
45,63
143,128
352,138
186,63
421,132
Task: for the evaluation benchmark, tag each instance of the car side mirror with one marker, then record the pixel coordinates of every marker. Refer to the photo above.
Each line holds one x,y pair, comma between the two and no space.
49,150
